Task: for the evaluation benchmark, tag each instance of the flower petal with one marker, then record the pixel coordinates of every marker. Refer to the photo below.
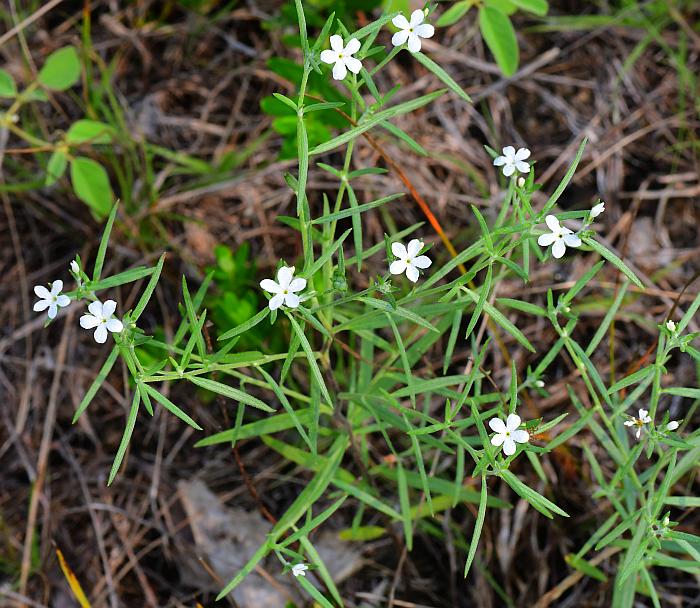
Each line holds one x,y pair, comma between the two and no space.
643,413
629,422
89,321
413,248
498,439
292,300
520,436
101,334
414,43
40,305
425,30
42,292
552,223
522,166
401,22
508,170
108,308
545,240
114,325
337,43
638,433
53,309
499,161
399,250
559,248
513,422
417,17
522,154
509,153
354,65
270,286
509,447
284,276
397,267
95,308
422,261
400,37
297,284
56,287
572,240
412,273
276,301
329,56
63,300
352,47
497,425
339,70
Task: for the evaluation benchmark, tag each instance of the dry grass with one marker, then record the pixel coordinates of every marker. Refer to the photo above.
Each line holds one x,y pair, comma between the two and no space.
192,87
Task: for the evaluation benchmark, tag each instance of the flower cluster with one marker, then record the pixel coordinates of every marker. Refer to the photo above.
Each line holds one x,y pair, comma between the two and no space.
100,316
340,55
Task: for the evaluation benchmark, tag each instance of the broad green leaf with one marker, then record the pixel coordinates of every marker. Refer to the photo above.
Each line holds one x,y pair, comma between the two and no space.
89,131
499,35
454,13
8,88
91,185
538,7
61,69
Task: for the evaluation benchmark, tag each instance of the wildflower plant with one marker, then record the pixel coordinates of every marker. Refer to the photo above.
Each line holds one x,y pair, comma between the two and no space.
382,433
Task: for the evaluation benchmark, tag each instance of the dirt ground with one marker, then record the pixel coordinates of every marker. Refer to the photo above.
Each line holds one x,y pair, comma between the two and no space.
191,85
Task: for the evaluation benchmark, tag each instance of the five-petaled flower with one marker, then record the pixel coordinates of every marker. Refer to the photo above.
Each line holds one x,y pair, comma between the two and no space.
50,299
412,30
560,238
639,422
342,57
299,570
508,433
597,210
513,161
284,290
408,259
101,318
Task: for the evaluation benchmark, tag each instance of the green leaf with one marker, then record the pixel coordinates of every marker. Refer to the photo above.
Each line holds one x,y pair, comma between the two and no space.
97,383
91,185
148,292
8,88
104,242
454,13
442,75
379,117
61,70
539,502
56,167
230,392
170,406
91,131
128,430
538,7
614,260
480,516
315,371
244,327
499,35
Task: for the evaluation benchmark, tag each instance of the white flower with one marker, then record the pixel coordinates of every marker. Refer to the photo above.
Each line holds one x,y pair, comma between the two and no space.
597,210
671,326
408,259
508,433
50,299
521,182
539,384
560,236
673,425
412,31
639,422
299,570
101,318
513,161
284,289
74,266
342,57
